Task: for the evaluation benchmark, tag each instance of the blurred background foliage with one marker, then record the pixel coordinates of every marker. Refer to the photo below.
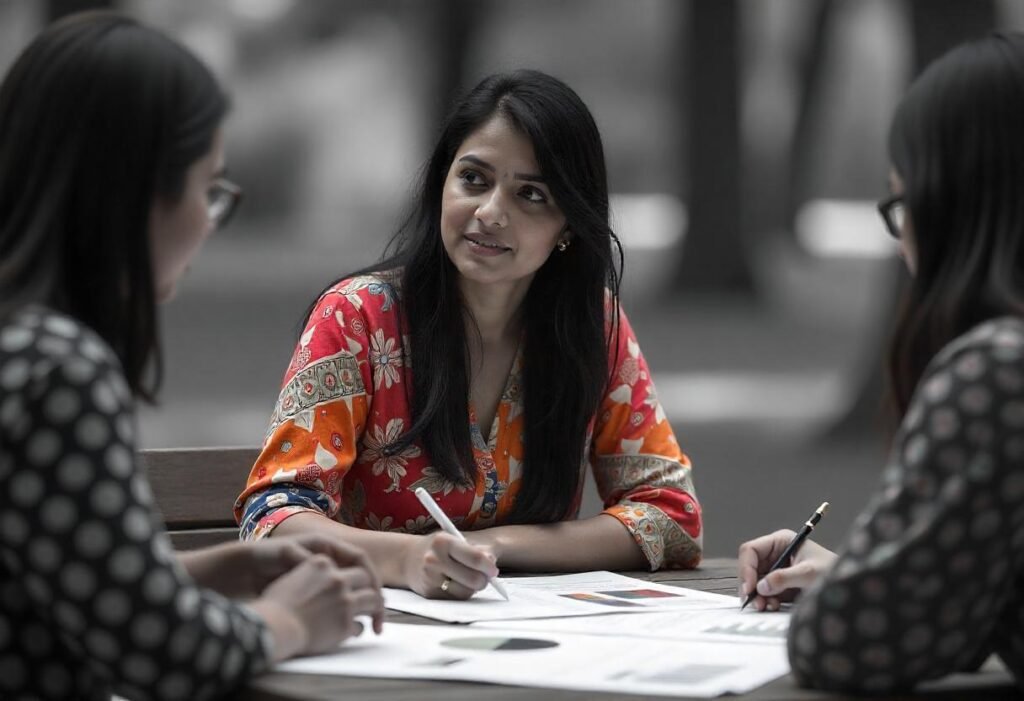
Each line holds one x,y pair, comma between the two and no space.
746,145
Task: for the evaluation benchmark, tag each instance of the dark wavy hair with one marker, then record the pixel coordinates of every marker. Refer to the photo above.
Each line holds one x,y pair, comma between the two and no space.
566,343
99,116
957,142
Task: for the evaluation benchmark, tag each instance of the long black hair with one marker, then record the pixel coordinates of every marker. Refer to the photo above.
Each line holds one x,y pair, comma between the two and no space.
99,116
957,143
566,340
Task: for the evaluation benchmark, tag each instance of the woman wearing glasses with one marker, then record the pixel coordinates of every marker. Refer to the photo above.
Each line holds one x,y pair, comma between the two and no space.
111,162
931,579
488,363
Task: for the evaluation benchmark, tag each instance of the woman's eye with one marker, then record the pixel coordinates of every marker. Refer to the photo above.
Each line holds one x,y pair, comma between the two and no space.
532,194
472,178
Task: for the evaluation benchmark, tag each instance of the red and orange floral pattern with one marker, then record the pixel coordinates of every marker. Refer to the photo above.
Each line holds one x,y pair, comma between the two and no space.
345,397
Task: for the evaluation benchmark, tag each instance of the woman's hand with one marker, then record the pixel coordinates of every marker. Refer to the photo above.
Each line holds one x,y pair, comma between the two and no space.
271,558
312,608
756,556
243,570
432,560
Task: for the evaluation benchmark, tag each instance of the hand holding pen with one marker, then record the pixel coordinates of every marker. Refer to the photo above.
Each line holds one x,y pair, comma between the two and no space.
795,563
448,527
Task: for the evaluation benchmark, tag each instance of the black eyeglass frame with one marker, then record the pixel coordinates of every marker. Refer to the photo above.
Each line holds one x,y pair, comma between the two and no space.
886,208
232,194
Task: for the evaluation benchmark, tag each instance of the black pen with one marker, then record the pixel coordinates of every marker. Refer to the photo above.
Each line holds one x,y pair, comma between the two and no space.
791,549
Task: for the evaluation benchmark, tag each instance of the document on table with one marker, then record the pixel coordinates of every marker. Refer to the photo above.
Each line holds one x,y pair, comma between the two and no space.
717,625
583,594
552,660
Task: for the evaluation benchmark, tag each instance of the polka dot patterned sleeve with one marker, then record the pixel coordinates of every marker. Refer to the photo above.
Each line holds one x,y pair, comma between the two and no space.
931,577
92,598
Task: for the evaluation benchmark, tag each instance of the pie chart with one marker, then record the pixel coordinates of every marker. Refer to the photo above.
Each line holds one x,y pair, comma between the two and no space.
498,643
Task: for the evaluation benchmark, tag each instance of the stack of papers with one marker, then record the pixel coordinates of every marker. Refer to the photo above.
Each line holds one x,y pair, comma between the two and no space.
584,594
717,626
595,631
552,661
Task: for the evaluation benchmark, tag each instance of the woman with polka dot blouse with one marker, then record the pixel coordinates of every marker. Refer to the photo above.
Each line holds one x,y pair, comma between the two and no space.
111,176
931,579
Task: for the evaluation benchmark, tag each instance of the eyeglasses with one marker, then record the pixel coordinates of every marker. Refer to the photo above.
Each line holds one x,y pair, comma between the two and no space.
894,214
221,201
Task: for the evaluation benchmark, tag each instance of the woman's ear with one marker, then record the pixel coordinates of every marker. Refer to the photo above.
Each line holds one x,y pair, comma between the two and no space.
564,238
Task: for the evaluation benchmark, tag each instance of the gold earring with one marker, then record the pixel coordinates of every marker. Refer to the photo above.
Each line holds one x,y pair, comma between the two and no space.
562,245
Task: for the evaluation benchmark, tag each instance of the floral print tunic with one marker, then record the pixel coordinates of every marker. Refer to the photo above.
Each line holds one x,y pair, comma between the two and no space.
931,579
344,399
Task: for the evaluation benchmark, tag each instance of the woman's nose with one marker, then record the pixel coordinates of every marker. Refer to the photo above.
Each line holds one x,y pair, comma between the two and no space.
492,211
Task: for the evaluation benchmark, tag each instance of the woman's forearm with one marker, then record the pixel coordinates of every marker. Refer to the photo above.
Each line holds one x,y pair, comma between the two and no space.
601,542
387,551
598,543
220,568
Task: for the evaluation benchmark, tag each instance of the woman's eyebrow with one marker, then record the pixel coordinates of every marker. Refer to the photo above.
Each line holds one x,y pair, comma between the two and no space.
477,162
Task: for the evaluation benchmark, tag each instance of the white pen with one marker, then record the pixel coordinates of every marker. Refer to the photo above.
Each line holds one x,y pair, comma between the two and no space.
448,527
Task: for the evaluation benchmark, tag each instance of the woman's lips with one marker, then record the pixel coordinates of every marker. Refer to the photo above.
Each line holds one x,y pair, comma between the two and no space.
482,246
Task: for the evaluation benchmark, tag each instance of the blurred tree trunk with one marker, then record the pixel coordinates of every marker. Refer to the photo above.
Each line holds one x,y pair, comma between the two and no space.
811,70
867,415
774,168
937,26
714,256
55,9
452,25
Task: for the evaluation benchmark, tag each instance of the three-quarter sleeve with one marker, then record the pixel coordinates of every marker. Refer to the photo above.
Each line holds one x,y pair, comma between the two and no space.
642,475
92,587
317,422
930,577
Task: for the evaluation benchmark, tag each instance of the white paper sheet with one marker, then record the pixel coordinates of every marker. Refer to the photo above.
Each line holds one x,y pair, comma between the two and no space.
552,660
583,594
718,625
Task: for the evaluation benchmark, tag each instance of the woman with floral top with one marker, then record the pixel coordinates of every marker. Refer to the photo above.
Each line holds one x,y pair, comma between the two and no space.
488,361
931,579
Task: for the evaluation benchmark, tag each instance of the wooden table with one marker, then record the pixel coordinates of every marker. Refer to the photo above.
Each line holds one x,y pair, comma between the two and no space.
715,575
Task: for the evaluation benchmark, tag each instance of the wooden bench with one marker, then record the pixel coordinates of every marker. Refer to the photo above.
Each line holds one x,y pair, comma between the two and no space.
195,489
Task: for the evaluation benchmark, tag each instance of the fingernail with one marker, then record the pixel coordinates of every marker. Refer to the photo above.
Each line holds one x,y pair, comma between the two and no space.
763,589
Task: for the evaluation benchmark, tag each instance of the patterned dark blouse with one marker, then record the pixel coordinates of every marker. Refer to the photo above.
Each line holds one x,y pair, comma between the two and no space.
931,577
92,598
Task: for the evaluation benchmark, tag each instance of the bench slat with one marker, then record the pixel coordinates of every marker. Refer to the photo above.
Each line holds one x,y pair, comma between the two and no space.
196,487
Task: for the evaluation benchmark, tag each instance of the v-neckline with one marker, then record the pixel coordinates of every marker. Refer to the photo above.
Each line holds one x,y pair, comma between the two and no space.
489,442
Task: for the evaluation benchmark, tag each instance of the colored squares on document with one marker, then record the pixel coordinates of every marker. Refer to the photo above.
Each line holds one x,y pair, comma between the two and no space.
598,599
641,594
498,643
